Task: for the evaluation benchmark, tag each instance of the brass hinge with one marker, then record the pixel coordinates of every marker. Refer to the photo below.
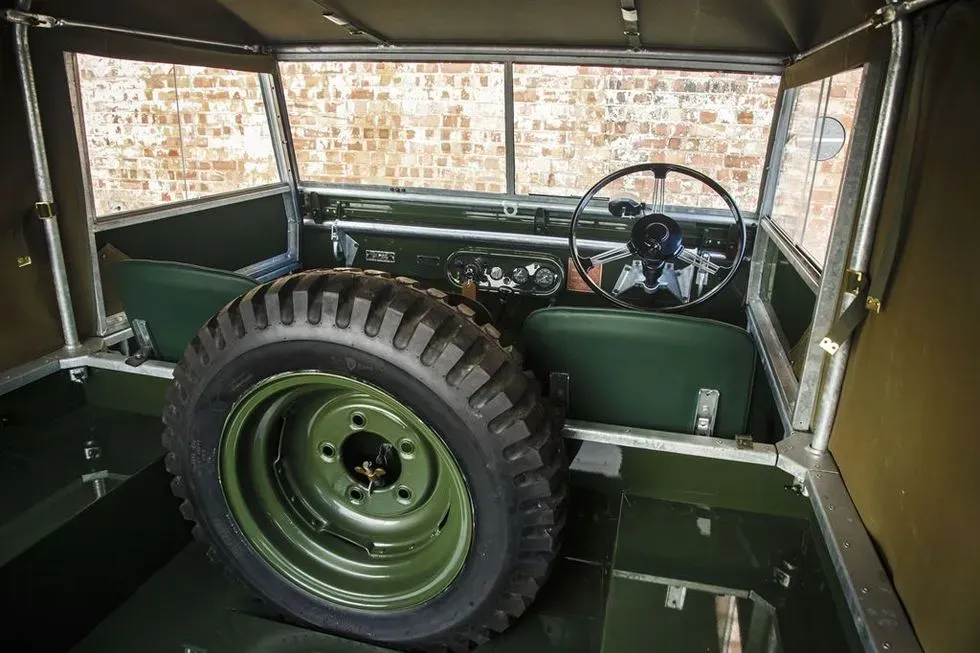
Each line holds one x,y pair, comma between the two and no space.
853,282
23,261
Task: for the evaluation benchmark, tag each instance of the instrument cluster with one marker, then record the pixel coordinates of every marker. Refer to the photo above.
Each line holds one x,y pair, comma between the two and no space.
518,273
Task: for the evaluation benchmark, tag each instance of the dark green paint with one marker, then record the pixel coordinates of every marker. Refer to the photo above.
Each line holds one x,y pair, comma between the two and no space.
135,393
643,369
175,299
317,251
60,588
229,237
310,510
791,299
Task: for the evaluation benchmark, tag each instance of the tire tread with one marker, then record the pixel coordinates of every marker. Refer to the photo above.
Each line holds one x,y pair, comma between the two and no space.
421,321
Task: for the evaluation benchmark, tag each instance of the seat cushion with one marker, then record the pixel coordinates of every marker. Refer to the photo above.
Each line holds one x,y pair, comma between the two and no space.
643,369
174,299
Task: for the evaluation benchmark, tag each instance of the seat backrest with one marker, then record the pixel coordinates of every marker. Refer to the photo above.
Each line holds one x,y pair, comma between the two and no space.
174,299
644,369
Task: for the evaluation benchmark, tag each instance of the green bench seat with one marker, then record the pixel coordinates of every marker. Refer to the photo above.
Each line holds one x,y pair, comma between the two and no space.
174,299
643,369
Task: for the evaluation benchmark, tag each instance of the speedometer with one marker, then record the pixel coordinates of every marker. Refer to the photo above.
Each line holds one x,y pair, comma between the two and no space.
544,277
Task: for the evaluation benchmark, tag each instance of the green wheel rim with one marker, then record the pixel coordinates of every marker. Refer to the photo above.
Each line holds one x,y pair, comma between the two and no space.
345,491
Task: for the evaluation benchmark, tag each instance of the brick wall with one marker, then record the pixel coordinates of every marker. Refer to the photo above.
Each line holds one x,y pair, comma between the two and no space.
575,124
416,125
158,133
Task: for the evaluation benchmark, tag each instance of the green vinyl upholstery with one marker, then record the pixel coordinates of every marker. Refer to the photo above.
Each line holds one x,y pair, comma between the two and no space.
643,369
174,299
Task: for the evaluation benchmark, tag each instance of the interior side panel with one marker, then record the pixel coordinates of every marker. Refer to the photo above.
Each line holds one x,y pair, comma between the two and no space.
906,432
228,237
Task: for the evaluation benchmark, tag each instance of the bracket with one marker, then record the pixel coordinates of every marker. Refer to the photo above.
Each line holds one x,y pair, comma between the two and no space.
78,374
706,411
631,26
144,341
31,20
344,247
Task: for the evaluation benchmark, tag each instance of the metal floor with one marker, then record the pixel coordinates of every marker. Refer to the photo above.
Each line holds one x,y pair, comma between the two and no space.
635,574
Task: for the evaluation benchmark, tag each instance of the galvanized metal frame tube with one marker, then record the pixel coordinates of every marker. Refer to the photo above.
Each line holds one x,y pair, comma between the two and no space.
23,16
832,278
881,148
727,61
45,191
450,234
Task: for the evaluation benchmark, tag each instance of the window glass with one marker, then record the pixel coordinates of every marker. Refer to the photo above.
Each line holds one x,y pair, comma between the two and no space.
158,133
422,125
814,157
575,124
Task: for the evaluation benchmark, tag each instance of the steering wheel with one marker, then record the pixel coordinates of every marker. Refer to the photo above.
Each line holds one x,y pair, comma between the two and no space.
656,243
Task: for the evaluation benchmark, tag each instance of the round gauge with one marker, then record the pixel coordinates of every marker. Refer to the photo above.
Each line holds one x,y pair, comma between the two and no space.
496,273
544,277
519,275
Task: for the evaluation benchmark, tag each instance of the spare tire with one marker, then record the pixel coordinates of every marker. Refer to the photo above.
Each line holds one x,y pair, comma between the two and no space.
367,459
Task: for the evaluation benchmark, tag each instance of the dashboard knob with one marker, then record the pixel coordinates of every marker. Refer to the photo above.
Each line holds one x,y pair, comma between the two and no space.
496,273
544,277
520,275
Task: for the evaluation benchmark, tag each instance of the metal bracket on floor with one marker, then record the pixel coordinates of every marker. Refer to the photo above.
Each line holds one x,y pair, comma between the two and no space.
78,374
706,411
794,456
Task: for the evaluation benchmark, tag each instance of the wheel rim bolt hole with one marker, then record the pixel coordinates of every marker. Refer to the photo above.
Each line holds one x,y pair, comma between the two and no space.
404,494
406,448
356,495
328,452
357,420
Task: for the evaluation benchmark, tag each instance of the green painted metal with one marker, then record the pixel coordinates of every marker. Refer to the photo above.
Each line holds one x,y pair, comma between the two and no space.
644,369
175,299
227,237
297,458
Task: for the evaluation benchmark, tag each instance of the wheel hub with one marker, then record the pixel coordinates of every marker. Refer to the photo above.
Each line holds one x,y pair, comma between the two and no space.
345,491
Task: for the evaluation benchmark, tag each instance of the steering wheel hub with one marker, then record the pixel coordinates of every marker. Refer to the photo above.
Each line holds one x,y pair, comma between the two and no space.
656,237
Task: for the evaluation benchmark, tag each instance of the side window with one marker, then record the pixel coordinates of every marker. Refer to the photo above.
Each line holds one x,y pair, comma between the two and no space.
382,123
814,157
159,133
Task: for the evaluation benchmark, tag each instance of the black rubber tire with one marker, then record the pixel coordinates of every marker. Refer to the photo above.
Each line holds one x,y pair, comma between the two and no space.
434,359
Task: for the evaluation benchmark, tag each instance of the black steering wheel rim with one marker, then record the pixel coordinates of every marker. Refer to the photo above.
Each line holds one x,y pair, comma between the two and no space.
658,169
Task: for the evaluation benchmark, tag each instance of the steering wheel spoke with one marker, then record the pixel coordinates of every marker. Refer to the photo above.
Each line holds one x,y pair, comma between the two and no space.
614,254
658,200
700,262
